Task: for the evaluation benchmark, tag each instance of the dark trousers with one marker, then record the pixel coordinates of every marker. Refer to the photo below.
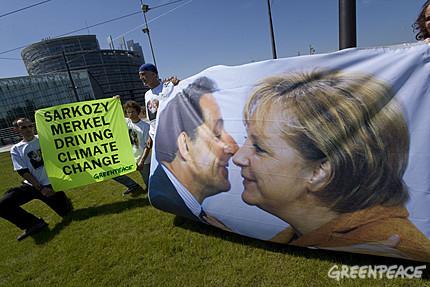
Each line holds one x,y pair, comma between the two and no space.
130,183
10,205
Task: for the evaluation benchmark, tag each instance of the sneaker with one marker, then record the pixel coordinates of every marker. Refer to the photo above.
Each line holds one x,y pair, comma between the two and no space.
128,191
133,191
38,226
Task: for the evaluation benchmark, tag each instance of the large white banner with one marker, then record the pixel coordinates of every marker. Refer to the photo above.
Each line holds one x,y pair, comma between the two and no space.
327,151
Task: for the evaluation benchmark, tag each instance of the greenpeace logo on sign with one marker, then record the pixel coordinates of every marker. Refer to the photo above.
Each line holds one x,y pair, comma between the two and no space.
375,272
116,171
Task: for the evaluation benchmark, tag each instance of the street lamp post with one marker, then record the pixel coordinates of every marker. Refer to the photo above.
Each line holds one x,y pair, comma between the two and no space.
272,34
75,92
145,8
347,24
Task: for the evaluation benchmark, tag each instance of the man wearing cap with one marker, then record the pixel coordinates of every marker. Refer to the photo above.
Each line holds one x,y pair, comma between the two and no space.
157,93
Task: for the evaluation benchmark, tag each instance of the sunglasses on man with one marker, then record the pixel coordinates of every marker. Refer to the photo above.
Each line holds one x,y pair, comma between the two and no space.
26,127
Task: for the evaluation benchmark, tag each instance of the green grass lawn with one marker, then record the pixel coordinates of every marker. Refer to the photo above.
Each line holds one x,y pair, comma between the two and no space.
111,240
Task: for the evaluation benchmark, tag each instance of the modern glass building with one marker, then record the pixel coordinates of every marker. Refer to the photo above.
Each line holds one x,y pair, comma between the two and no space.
21,96
116,71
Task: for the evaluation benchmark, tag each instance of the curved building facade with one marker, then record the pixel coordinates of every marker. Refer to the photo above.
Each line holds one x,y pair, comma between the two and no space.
22,96
116,71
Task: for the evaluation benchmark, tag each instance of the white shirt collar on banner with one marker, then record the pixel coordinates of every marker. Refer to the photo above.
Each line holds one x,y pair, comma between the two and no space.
192,204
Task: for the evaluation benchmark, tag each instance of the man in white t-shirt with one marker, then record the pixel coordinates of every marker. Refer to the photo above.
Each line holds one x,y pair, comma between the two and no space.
28,162
158,92
138,131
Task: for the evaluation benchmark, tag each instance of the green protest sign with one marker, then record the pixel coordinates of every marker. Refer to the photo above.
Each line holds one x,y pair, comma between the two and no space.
84,142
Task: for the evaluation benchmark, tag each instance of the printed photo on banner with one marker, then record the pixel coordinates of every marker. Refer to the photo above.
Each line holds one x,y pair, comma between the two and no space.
84,142
193,150
324,151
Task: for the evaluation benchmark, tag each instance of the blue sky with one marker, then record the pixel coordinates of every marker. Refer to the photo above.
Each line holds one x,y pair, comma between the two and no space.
196,34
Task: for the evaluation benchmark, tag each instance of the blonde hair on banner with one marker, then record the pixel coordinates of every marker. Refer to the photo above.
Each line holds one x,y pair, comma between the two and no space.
348,119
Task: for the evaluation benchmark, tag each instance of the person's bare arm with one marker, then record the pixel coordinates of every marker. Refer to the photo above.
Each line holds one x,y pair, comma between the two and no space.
146,151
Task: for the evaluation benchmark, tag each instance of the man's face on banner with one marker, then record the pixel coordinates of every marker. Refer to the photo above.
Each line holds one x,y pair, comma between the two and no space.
211,149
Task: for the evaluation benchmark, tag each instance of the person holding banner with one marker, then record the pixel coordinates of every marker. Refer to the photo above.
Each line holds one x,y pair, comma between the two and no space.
138,131
422,24
192,149
326,153
158,92
28,162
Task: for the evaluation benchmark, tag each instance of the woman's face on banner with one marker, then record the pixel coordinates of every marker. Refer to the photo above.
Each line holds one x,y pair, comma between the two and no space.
427,18
274,174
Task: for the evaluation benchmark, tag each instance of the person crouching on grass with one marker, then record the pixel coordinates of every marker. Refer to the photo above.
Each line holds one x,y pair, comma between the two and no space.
28,162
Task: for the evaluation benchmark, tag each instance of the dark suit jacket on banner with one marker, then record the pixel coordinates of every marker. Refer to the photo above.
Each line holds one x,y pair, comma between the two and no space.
163,195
